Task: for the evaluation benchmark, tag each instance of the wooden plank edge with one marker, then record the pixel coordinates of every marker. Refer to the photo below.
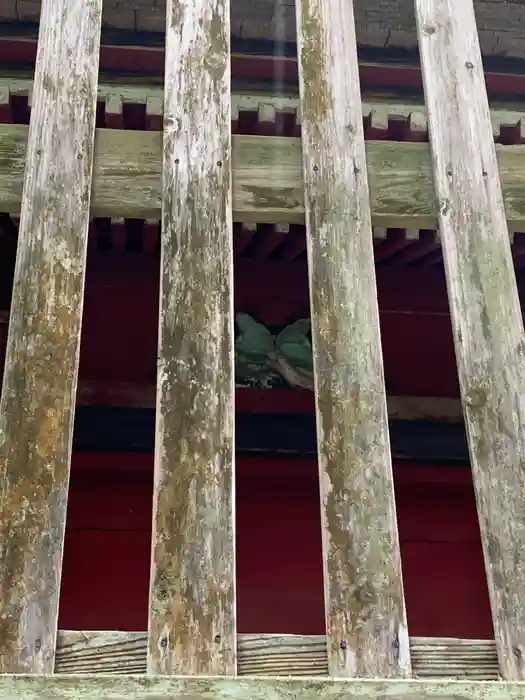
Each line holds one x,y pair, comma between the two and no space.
271,655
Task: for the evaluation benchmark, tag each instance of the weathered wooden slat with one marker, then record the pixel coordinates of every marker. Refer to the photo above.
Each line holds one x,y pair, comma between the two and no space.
267,178
366,625
485,309
273,655
38,394
192,595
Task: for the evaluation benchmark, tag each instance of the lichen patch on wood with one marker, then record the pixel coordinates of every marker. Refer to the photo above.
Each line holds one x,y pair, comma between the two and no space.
486,316
38,393
192,597
367,632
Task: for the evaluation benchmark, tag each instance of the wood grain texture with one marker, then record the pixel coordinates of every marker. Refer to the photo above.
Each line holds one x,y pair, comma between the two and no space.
274,655
192,596
38,393
366,625
267,178
485,309
219,688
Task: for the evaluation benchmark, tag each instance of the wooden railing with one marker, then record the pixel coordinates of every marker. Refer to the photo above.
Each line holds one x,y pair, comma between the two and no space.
188,181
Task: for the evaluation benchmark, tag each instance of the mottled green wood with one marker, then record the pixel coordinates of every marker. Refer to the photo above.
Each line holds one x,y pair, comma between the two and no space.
366,626
485,308
41,366
192,627
177,688
267,178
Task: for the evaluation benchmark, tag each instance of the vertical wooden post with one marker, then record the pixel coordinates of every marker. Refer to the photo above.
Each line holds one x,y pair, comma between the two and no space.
40,379
484,304
192,598
365,611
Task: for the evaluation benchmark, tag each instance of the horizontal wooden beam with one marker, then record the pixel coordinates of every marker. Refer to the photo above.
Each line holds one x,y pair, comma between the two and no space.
267,178
128,52
134,687
112,429
273,655
269,401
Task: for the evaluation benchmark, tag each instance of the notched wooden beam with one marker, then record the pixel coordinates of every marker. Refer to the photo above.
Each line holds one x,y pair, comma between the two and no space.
379,110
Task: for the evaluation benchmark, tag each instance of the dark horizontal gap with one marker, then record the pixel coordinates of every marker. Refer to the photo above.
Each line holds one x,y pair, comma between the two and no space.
112,429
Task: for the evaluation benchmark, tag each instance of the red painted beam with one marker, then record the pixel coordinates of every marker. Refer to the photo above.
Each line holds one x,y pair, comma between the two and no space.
257,68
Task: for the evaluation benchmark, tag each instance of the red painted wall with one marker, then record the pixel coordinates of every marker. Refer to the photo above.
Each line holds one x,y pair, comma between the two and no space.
107,551
279,578
119,333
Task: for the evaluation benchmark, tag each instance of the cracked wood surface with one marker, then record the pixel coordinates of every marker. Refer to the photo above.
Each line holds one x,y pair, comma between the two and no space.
192,595
366,625
38,393
485,309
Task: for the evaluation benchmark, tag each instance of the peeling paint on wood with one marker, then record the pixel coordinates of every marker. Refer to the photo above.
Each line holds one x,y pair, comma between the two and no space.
38,394
485,309
192,596
367,633
113,687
